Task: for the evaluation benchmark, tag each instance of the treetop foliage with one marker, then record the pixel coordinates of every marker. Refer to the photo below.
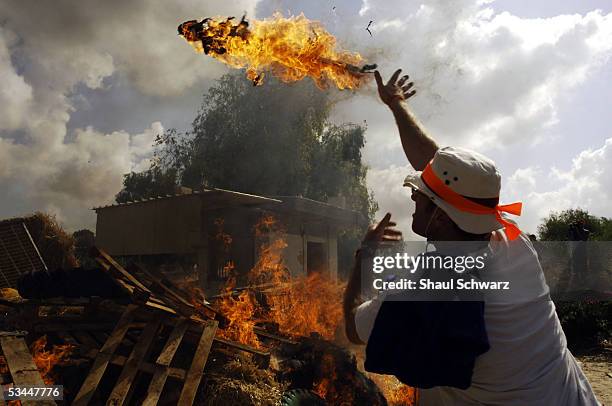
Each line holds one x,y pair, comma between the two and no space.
556,227
273,140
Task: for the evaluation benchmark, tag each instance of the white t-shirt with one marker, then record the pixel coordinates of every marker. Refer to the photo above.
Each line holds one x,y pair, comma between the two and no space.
528,362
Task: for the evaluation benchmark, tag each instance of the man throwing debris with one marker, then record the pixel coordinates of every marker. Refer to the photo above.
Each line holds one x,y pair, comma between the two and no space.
491,352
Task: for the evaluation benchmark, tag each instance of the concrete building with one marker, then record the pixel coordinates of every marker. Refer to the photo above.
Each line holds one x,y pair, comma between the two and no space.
186,231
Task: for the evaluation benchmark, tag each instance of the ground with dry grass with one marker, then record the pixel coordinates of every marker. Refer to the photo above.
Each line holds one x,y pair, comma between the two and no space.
598,369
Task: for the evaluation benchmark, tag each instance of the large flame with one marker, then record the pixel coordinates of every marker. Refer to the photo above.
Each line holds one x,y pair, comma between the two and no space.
309,304
270,267
240,314
291,48
299,305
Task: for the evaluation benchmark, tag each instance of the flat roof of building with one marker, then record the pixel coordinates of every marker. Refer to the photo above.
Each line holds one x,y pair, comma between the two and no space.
212,198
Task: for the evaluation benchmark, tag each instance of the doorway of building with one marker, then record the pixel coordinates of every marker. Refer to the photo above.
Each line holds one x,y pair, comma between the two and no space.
316,257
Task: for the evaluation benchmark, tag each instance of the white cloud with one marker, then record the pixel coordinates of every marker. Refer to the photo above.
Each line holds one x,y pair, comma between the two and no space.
587,185
15,93
487,81
51,50
484,80
71,178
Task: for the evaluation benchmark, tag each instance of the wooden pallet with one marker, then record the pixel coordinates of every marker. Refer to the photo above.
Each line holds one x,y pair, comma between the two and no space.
21,365
156,291
151,288
136,361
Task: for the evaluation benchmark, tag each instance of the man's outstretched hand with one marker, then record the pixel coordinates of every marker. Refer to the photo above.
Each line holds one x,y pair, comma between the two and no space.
395,90
383,231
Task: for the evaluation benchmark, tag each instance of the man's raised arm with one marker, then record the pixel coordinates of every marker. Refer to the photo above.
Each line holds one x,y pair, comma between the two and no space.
418,146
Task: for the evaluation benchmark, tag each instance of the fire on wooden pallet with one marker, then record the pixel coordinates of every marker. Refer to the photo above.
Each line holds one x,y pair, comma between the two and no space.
155,344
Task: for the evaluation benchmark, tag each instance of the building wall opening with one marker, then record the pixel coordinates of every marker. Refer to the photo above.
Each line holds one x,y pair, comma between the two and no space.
316,257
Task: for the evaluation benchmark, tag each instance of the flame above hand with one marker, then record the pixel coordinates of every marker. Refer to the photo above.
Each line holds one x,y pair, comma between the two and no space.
291,48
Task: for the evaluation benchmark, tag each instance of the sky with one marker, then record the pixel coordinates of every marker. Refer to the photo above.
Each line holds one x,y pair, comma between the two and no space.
86,86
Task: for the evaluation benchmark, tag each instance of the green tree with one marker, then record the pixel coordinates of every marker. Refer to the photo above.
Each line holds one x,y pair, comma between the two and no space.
270,140
556,227
585,322
151,183
257,139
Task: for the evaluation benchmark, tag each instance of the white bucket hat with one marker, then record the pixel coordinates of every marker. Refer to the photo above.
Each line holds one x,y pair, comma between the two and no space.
466,185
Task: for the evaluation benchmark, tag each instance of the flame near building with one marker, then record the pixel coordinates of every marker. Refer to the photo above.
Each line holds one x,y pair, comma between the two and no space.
291,48
300,306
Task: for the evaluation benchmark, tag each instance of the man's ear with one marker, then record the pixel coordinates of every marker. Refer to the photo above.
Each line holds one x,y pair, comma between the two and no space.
441,219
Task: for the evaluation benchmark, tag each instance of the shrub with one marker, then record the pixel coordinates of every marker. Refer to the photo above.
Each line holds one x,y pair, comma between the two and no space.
586,323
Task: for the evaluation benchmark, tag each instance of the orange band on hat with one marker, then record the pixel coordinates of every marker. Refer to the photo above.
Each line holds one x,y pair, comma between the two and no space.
464,204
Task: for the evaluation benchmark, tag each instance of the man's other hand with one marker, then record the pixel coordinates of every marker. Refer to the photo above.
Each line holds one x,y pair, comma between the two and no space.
383,231
395,91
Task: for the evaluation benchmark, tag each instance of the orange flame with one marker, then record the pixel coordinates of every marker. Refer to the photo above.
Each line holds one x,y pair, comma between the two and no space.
46,360
292,48
396,393
239,312
309,304
299,305
403,396
270,267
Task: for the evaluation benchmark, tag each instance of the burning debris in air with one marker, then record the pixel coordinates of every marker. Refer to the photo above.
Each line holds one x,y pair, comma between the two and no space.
291,48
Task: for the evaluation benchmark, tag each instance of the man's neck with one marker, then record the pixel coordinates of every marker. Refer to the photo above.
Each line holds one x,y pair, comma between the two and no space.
454,242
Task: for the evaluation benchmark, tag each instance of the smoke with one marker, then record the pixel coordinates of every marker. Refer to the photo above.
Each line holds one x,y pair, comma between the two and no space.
51,54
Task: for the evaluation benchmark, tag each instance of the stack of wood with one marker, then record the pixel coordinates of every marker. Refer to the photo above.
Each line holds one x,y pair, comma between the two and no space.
155,345
151,348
